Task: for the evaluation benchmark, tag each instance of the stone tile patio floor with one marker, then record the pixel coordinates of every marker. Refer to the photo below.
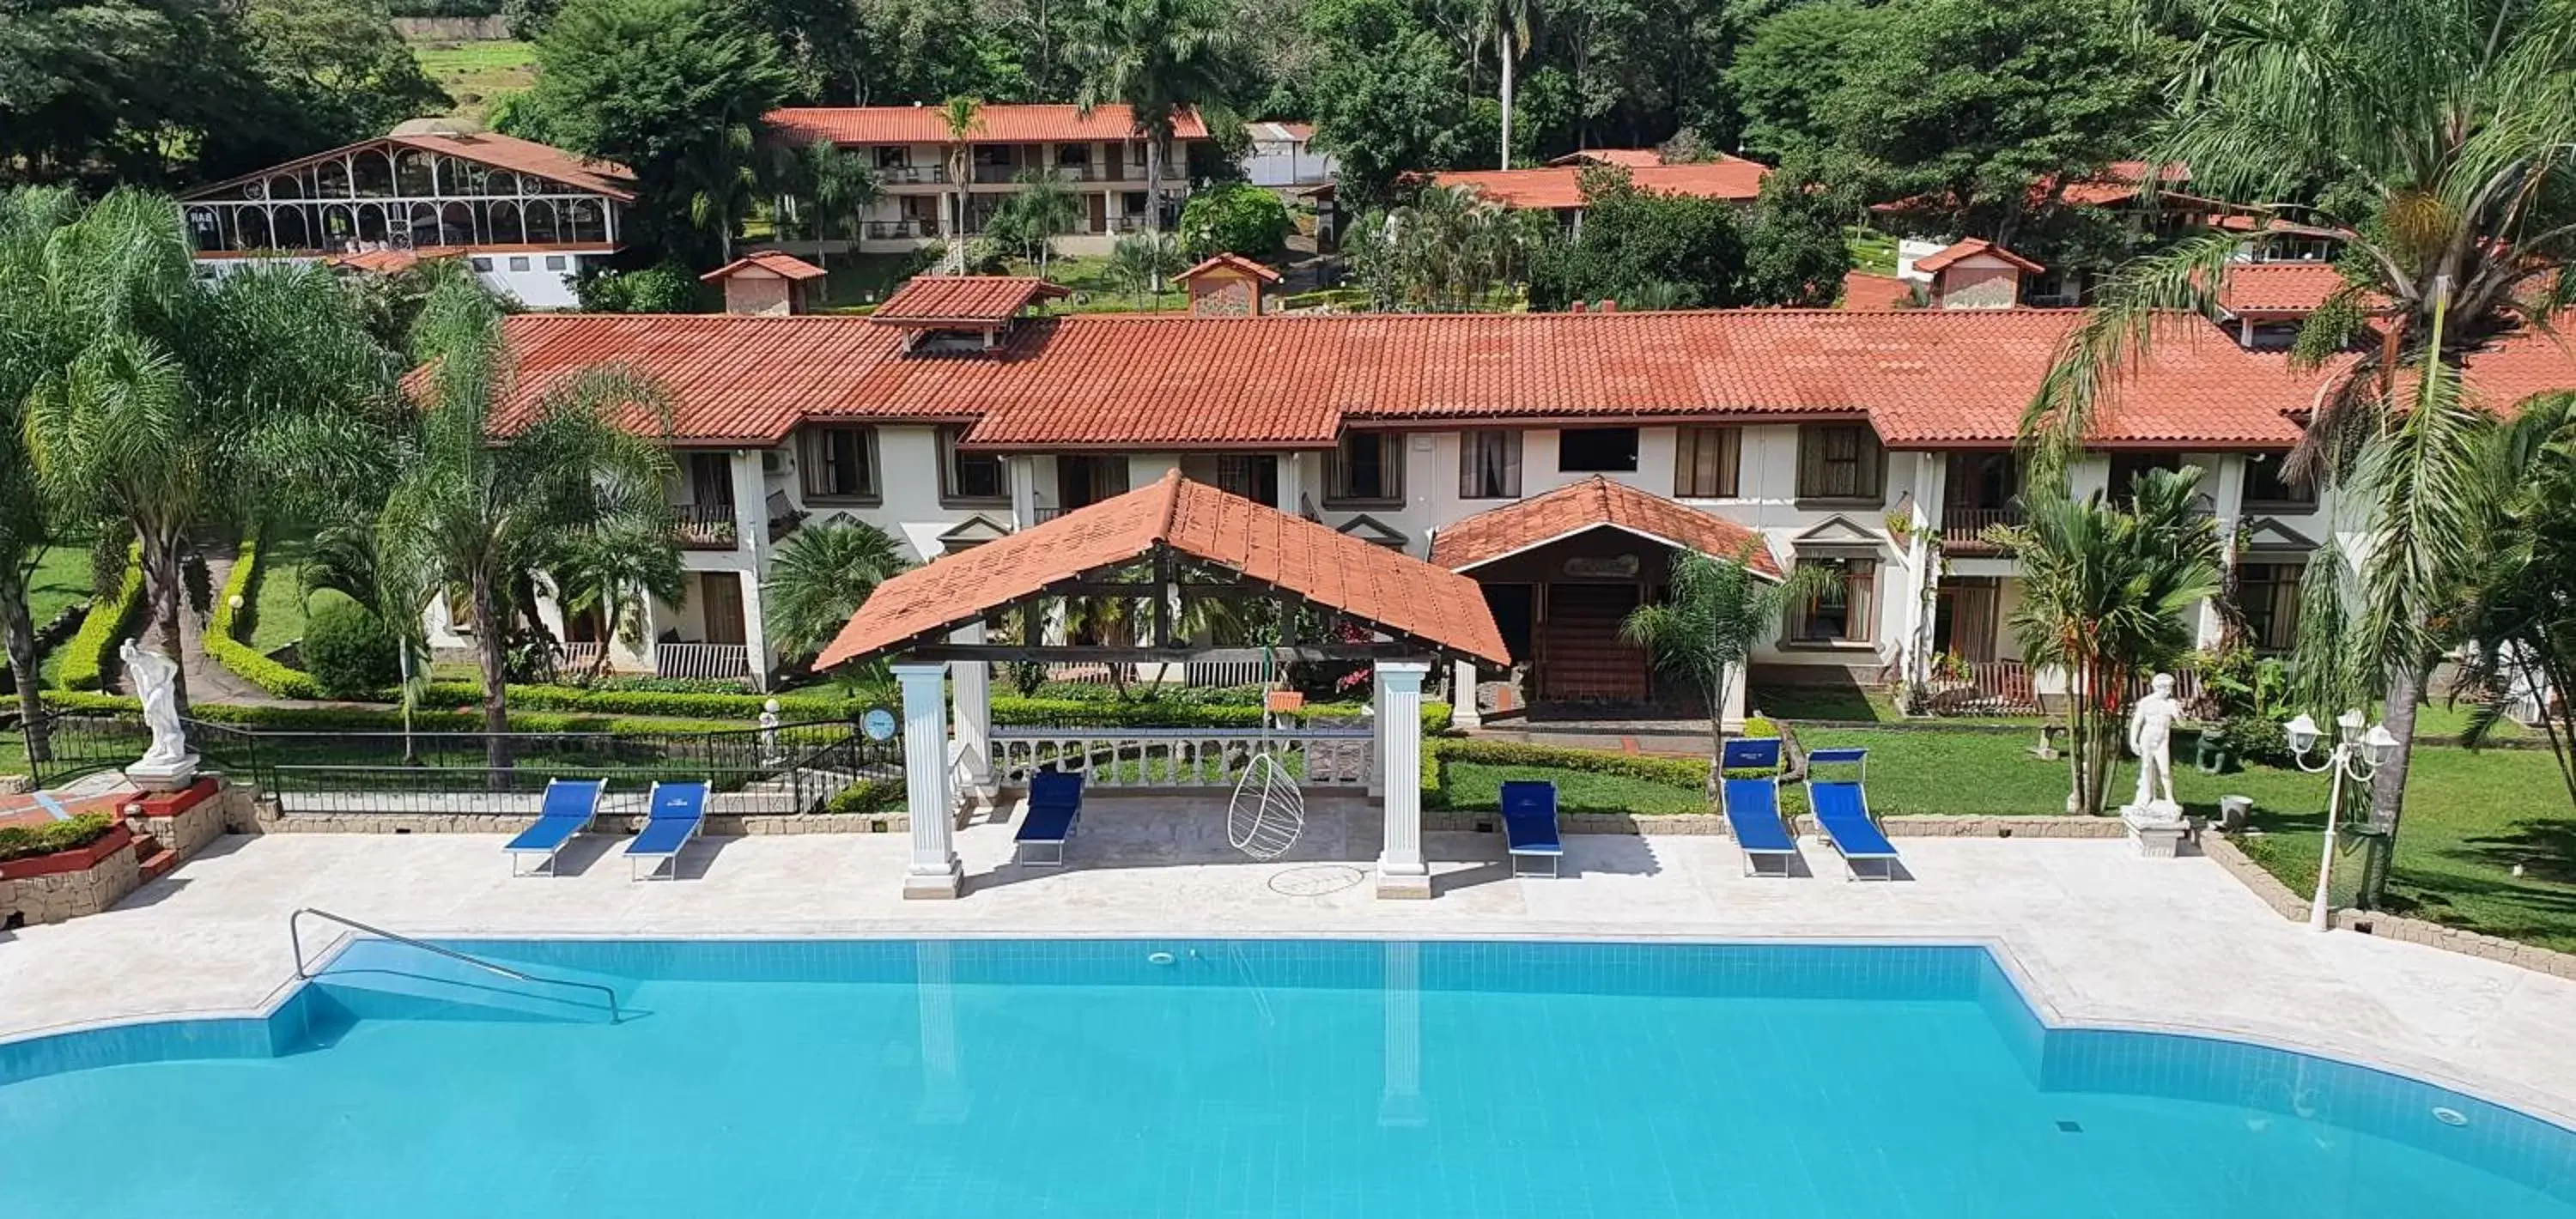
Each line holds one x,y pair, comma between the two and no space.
2099,936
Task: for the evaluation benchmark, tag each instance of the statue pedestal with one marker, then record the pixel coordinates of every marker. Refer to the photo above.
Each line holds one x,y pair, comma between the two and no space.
163,776
2156,829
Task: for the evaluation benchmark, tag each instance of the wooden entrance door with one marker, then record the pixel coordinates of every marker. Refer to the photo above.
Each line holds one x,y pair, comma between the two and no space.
1581,657
720,606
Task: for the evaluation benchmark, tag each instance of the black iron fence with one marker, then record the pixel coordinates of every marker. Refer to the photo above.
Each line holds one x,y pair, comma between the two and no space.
788,768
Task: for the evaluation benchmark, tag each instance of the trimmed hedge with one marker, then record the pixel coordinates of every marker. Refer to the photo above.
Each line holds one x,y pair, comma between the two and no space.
1007,710
347,648
868,796
224,638
384,719
87,660
1680,772
27,841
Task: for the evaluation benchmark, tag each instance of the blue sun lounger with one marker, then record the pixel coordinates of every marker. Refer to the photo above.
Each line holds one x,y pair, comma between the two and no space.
1842,815
1529,823
566,810
1753,807
1055,803
674,813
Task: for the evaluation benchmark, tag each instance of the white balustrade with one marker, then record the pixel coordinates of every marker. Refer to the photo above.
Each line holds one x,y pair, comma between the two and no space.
1181,757
718,661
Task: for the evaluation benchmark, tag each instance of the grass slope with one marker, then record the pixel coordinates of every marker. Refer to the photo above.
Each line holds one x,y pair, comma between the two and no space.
477,73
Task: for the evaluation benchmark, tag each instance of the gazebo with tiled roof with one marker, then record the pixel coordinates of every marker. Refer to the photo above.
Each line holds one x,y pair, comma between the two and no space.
1161,546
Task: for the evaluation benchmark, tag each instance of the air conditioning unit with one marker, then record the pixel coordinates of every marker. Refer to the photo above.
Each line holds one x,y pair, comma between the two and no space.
772,461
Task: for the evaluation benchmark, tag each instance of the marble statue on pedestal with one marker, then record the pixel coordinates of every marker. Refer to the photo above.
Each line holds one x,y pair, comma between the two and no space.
166,765
2151,738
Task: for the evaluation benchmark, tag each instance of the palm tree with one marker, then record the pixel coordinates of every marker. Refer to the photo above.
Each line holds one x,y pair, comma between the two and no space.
1044,209
1508,22
963,116
2107,594
608,572
2439,134
820,577
492,490
33,338
188,404
1707,624
833,189
1452,249
1163,59
2519,616
1139,261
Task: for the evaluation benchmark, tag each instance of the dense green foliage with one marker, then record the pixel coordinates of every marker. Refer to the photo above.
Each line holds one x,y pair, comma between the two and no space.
1642,249
91,654
25,841
224,634
819,577
347,649
1236,218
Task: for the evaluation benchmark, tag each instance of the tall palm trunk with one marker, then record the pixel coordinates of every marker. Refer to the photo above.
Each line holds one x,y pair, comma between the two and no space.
489,647
21,632
1154,201
1506,41
1716,737
160,559
2388,783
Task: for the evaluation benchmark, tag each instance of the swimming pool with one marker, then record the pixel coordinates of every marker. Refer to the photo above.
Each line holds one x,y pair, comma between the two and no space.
1091,1078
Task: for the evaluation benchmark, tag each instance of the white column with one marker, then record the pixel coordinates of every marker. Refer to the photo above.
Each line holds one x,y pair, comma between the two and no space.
1377,733
1400,870
1399,1095
1292,483
751,543
1731,715
1462,696
2224,484
1023,473
755,631
973,681
934,871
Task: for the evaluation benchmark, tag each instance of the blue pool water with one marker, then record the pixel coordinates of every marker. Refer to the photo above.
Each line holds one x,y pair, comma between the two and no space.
1096,1078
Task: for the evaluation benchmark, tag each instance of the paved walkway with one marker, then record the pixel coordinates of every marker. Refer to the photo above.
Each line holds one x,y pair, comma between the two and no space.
2101,935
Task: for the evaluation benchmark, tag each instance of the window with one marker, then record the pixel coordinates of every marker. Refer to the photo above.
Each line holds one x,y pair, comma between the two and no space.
519,262
1597,450
969,476
1489,465
2265,483
480,263
1704,462
2126,467
2269,595
1254,477
1368,468
554,262
839,463
894,156
1840,461
1844,611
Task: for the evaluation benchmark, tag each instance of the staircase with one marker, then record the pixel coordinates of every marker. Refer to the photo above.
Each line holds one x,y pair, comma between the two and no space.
155,859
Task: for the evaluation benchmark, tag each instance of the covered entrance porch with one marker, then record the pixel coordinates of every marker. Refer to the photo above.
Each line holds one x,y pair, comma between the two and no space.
1562,572
1159,554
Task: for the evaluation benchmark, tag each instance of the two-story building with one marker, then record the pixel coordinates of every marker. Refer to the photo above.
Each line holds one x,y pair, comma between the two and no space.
924,169
527,217
1560,459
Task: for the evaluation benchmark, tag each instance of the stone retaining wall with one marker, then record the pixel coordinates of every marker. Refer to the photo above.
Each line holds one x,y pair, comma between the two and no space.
192,830
268,820
16,785
2382,924
1714,824
62,896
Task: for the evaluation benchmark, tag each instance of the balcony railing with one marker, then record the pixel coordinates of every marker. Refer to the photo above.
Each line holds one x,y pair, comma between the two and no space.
900,230
708,661
912,175
988,174
706,526
1964,529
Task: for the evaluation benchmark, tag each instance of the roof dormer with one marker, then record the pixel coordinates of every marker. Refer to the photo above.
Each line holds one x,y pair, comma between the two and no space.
962,313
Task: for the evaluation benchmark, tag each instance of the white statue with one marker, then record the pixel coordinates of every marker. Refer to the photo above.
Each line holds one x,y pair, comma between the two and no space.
156,681
2151,738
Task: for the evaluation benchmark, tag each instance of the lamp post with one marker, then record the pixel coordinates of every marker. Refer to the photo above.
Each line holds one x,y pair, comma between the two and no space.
2356,755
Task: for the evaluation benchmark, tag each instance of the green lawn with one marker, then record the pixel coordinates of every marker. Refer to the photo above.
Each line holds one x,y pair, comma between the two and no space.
476,73
61,581
1872,251
278,603
1478,786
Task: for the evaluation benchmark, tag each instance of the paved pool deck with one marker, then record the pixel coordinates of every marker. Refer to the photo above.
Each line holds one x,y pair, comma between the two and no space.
2098,935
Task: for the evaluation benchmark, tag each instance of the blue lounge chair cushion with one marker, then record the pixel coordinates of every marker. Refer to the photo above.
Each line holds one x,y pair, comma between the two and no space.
678,802
1753,812
1047,823
1840,814
663,836
1529,818
569,805
1830,757
1751,753
1055,787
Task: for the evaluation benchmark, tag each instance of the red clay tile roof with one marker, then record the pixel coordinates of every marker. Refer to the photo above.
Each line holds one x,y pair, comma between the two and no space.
1925,378
1970,248
996,124
1560,186
380,262
1633,158
1862,290
1235,261
2281,289
487,148
1595,503
776,262
1398,594
2515,366
963,300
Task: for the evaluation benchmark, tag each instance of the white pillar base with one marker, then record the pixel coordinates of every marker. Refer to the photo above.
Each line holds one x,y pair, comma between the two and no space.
1402,886
936,886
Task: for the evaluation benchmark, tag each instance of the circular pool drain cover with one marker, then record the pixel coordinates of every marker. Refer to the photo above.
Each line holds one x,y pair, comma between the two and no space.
1315,880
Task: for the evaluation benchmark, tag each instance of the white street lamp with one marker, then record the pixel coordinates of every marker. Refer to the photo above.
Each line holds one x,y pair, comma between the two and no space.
2356,755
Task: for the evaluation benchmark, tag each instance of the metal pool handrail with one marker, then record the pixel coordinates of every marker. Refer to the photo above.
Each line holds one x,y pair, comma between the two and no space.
296,938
